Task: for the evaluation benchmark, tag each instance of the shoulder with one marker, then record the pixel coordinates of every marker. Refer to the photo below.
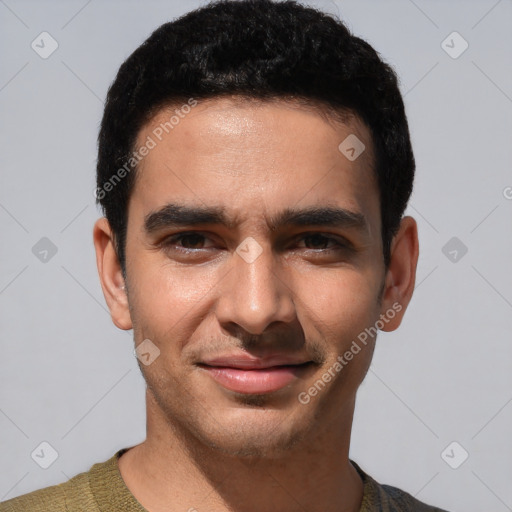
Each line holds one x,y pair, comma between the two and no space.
386,498
402,501
54,498
75,494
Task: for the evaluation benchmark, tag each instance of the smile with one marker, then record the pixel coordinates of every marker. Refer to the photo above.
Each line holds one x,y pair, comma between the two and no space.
256,380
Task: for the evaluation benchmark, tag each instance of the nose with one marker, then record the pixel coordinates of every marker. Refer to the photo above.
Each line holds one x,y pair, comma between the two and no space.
255,294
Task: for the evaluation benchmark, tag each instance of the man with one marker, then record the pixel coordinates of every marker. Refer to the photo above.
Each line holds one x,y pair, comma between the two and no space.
254,166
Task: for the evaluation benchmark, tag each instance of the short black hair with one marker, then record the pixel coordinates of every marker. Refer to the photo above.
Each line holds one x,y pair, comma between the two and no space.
260,49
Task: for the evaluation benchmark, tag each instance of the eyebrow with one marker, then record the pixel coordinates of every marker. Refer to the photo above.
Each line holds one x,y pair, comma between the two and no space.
174,215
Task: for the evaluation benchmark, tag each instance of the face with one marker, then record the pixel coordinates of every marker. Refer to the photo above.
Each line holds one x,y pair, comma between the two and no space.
254,263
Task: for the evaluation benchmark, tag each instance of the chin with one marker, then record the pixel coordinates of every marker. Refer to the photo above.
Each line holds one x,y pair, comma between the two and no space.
246,427
254,434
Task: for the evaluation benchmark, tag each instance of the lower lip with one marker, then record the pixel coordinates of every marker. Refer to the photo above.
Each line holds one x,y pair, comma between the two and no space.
264,380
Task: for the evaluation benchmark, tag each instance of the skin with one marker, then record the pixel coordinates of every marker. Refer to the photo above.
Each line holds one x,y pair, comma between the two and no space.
208,448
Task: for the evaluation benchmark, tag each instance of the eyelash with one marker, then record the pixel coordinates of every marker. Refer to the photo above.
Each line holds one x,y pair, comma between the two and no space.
170,241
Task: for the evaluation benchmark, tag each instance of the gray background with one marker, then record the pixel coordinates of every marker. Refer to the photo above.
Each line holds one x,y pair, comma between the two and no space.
68,375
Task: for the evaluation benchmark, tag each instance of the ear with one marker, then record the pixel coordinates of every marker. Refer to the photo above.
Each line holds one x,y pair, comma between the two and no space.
401,274
111,276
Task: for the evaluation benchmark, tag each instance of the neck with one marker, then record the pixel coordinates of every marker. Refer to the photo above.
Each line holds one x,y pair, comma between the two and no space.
171,471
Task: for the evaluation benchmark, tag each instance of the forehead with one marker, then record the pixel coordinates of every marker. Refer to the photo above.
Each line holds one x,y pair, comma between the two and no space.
254,157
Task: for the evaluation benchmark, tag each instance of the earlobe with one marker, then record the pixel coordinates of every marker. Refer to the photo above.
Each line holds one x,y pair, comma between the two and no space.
401,274
110,274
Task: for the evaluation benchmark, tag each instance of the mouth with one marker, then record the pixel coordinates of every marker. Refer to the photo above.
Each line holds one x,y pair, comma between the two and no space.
255,376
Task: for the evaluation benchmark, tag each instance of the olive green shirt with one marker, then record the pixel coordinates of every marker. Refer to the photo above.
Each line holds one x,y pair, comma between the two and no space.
102,489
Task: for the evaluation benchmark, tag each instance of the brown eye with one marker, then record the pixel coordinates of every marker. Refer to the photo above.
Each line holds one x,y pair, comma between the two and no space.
318,241
185,242
192,239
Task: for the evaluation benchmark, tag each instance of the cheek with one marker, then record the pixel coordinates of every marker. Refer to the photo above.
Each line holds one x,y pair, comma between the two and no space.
340,304
165,298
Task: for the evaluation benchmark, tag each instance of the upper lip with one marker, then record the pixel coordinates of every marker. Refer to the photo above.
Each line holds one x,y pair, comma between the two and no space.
245,361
